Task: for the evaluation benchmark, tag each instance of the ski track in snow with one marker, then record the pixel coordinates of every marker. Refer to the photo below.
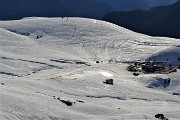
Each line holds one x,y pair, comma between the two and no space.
37,74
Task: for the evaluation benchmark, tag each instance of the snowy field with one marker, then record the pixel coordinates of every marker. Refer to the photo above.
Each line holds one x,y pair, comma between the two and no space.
46,60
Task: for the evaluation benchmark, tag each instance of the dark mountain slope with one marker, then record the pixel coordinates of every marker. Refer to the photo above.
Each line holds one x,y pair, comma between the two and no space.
130,19
17,9
159,21
165,23
127,5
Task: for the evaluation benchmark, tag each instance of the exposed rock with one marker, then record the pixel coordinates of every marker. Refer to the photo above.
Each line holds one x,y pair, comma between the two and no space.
68,103
109,81
176,93
160,116
97,61
58,98
136,74
151,67
38,36
80,101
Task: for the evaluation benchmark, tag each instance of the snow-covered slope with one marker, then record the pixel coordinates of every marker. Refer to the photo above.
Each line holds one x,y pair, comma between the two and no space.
35,74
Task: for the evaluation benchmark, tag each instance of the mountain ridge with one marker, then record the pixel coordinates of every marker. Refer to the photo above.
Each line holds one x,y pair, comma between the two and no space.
96,9
55,8
158,21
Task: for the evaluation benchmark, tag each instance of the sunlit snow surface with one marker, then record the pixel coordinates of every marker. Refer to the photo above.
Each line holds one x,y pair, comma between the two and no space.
62,62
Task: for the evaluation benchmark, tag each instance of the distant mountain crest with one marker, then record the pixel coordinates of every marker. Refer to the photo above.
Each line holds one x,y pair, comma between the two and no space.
17,9
158,21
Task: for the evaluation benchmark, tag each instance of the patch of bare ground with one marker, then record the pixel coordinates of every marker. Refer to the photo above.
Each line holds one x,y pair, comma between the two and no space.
151,67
